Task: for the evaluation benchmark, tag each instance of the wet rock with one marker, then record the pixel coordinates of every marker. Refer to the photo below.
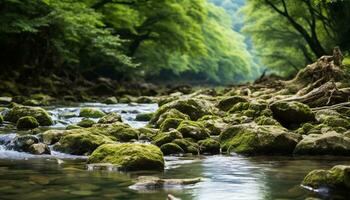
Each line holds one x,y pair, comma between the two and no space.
228,102
91,113
289,113
151,182
330,143
144,99
110,100
129,156
166,137
28,122
194,108
52,136
22,143
39,149
147,133
73,126
171,148
1,119
170,123
126,99
332,119
172,113
253,139
86,123
336,178
194,130
39,114
144,117
187,145
214,125
82,141
110,118
209,146
263,120
5,100
126,134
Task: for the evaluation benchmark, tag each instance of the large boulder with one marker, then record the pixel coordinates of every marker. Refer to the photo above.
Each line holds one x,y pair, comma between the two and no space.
209,146
82,141
91,113
110,118
171,148
228,102
194,108
39,114
52,136
292,113
253,139
27,122
330,143
336,178
166,137
187,145
22,143
332,119
129,156
172,113
194,130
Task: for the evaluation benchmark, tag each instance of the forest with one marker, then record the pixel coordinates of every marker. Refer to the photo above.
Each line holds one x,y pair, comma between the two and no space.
169,99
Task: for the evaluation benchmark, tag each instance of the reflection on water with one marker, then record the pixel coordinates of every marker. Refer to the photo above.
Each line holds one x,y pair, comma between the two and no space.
225,177
61,176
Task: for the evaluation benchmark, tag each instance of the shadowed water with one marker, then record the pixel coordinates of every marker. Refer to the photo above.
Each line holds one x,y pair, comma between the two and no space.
61,176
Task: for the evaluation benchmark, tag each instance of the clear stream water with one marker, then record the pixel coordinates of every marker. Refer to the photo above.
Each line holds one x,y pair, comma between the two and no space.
61,176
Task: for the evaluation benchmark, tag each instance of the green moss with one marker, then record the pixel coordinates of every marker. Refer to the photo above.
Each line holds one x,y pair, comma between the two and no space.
126,134
337,178
291,113
171,148
110,100
81,141
91,113
266,112
172,113
1,119
228,102
263,120
187,145
27,122
129,156
195,130
73,126
209,146
170,123
110,118
335,121
252,139
167,137
144,116
39,114
86,123
125,99
144,99
241,106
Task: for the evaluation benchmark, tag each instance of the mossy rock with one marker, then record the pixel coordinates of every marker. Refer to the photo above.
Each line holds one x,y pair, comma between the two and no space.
39,114
52,136
254,140
1,119
110,100
126,134
228,102
73,126
33,102
86,123
23,142
82,141
144,117
209,145
330,143
187,145
27,122
239,107
195,130
336,178
170,123
171,148
263,120
172,113
144,99
147,133
194,108
215,126
39,149
305,129
166,137
292,113
110,118
91,113
129,156
334,121
125,99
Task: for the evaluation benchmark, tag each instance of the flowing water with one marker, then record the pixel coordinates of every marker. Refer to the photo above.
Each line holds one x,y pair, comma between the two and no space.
61,176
